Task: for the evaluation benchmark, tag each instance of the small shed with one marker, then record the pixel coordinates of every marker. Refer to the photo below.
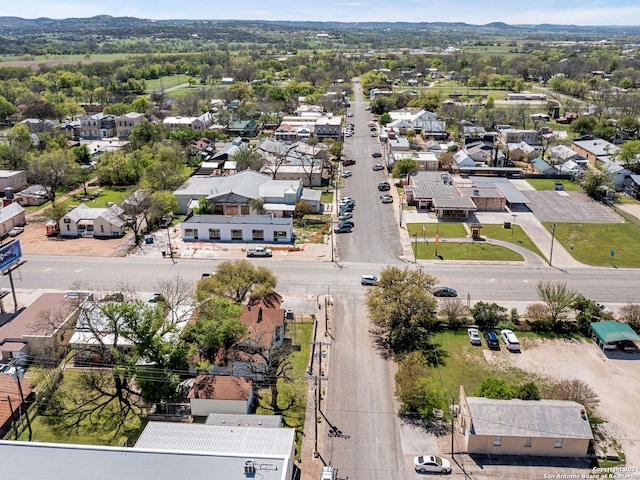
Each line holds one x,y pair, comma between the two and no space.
612,332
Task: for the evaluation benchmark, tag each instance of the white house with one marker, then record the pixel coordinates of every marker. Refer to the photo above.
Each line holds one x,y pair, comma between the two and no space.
84,221
421,121
220,394
247,228
176,123
462,159
12,215
16,179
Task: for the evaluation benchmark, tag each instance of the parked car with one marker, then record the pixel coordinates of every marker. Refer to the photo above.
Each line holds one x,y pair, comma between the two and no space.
344,229
384,187
603,308
15,231
492,339
510,340
346,174
444,292
368,280
345,209
349,162
156,298
350,114
377,167
346,223
386,198
345,216
374,134
474,336
627,346
431,463
376,155
348,200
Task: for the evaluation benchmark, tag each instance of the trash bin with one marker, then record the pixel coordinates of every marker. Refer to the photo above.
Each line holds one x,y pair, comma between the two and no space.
507,224
164,254
148,239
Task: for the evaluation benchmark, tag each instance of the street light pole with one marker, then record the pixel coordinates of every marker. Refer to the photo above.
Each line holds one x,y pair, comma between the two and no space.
415,245
513,224
553,236
331,232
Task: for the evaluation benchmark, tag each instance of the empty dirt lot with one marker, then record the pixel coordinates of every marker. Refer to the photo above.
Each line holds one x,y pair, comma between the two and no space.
615,377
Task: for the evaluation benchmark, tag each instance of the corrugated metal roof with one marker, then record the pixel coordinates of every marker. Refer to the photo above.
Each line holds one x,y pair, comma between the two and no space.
613,331
528,418
238,420
218,439
30,460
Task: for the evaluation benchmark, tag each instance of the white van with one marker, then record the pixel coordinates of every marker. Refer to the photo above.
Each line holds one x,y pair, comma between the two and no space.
368,280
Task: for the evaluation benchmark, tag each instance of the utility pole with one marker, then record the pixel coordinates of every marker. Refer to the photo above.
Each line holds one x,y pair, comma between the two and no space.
553,236
415,246
13,417
513,224
332,234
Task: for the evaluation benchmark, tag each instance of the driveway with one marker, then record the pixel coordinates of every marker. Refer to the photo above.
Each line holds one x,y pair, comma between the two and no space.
568,207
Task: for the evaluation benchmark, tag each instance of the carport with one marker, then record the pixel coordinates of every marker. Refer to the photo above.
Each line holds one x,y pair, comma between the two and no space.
612,332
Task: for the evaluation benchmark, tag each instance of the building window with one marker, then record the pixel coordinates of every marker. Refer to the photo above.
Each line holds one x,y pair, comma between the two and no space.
280,235
236,234
257,235
527,441
218,209
102,228
232,210
214,234
558,443
497,441
244,209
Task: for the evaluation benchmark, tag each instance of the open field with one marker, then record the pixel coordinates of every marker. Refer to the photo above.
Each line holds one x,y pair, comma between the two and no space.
514,235
477,251
549,184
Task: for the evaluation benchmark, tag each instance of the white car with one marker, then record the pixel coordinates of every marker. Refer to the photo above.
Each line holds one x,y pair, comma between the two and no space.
510,340
345,216
368,280
474,336
431,463
603,308
15,231
346,173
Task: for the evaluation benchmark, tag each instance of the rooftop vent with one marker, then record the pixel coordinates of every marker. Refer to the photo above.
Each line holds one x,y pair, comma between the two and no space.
249,468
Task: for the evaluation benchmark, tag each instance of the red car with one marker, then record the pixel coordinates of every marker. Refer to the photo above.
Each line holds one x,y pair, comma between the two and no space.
346,163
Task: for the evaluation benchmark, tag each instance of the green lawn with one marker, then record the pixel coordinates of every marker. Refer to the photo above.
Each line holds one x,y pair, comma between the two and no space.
465,364
549,184
515,234
479,251
591,243
105,196
445,230
169,81
89,435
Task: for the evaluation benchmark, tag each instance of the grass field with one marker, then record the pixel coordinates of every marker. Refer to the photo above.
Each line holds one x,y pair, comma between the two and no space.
515,234
445,230
87,434
465,364
592,243
169,81
478,251
549,184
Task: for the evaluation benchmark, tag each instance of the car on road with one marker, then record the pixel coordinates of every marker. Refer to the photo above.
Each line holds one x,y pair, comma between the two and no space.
376,155
346,174
367,108
384,187
156,298
346,223
347,200
474,336
350,114
369,280
344,229
386,198
345,216
492,339
444,292
374,134
348,134
510,340
377,167
15,231
431,463
349,162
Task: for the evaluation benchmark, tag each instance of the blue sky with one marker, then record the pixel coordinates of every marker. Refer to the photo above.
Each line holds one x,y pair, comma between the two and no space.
578,12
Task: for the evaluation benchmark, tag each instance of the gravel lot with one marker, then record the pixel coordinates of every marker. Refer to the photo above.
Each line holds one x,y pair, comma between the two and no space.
615,377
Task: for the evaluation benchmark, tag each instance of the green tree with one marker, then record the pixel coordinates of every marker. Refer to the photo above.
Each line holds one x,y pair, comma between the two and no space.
6,108
385,119
167,170
216,327
402,309
584,125
246,158
145,133
629,155
495,388
404,167
235,280
52,170
527,391
488,315
595,182
558,297
415,388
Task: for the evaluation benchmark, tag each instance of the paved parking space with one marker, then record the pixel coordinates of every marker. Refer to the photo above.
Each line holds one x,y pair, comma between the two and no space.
568,207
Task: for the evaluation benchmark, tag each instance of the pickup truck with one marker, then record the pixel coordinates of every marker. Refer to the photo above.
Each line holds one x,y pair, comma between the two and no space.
259,252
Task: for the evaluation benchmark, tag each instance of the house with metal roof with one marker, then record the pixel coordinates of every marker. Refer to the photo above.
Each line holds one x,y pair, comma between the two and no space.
220,394
595,150
550,428
12,215
84,221
41,331
164,451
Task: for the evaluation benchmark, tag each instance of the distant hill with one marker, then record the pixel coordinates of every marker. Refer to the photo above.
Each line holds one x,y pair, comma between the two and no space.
47,25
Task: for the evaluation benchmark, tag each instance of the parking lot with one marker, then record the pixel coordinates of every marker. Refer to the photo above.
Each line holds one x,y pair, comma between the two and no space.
572,207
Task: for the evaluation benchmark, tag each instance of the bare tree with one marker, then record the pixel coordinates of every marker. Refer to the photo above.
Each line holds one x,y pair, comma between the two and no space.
453,310
630,313
574,390
558,297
